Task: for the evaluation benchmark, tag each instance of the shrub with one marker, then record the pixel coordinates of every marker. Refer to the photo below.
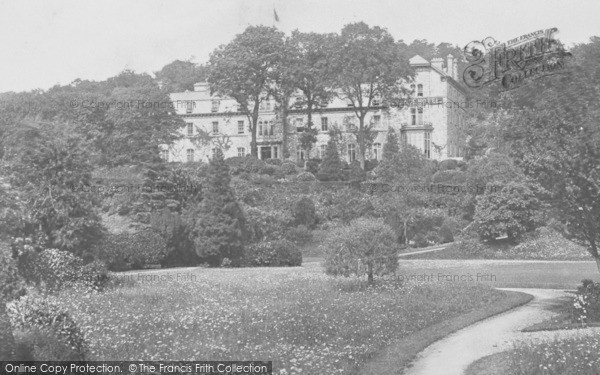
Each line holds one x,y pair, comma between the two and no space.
448,164
304,212
356,173
11,285
126,250
299,235
275,253
586,304
371,165
268,170
7,341
266,225
262,180
345,204
447,230
248,164
312,166
175,232
45,331
306,176
95,274
512,211
364,246
274,161
58,269
288,167
420,240
331,167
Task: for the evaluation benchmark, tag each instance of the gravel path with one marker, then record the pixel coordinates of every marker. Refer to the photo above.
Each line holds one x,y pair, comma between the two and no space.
453,354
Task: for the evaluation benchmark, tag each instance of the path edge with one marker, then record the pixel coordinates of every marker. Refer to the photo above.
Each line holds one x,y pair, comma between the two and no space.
395,358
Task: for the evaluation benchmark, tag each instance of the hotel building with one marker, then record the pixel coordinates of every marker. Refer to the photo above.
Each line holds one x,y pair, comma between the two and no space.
432,119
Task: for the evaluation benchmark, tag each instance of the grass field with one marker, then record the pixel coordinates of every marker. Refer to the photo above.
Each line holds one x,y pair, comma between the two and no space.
505,273
304,321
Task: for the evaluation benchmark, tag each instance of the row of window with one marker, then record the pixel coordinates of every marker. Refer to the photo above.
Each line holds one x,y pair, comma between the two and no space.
215,128
268,128
266,105
351,152
215,105
412,138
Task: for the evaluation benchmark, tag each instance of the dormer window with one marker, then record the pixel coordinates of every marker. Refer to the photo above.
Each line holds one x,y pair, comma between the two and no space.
215,106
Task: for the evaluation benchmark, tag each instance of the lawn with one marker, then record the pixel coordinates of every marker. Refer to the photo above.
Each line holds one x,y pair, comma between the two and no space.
303,320
575,356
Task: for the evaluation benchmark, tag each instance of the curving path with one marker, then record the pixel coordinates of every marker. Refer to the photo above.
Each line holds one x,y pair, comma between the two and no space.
453,354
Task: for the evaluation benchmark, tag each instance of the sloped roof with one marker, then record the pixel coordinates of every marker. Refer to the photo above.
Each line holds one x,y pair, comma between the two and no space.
418,60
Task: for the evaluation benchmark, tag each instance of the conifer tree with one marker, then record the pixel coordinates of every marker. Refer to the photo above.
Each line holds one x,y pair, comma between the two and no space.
218,226
331,166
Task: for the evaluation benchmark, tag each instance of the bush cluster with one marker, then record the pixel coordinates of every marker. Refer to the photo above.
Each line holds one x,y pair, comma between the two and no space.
45,331
277,253
126,250
299,235
586,303
288,167
266,225
304,213
247,164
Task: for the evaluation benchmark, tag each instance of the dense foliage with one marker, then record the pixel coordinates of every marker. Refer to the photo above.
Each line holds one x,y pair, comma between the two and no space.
362,247
217,225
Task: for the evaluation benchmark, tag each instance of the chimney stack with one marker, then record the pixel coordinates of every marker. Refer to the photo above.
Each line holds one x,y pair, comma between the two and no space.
449,65
455,70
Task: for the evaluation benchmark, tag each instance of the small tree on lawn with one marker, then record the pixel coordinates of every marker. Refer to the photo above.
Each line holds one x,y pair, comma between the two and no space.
365,246
511,210
218,226
331,166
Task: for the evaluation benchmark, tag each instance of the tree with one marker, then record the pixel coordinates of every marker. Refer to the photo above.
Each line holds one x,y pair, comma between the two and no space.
364,246
330,168
304,213
512,210
555,137
53,177
246,69
391,147
407,166
180,75
369,65
217,224
310,72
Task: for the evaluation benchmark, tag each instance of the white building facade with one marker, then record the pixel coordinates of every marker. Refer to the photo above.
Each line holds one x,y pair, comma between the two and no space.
432,119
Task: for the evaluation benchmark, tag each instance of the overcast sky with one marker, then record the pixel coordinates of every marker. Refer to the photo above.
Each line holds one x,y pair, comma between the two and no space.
48,42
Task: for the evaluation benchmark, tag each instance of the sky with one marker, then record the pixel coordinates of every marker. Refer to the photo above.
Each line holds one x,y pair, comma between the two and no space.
44,43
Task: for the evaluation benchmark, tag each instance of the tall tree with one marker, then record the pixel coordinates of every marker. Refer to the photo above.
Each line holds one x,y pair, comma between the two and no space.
246,69
555,137
310,71
369,66
218,225
180,76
